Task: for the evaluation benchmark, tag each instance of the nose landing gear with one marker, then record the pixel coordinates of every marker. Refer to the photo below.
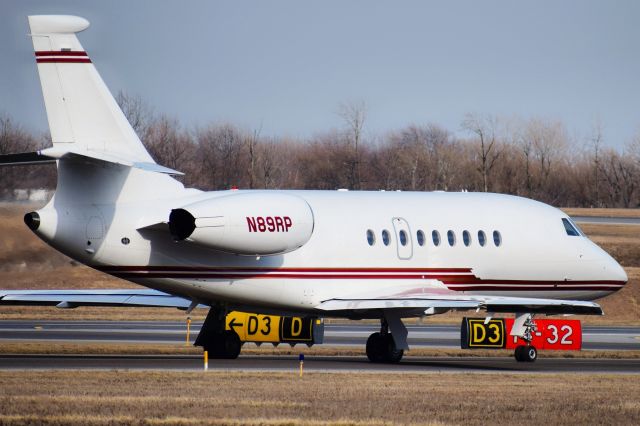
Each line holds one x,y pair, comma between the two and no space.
524,327
526,353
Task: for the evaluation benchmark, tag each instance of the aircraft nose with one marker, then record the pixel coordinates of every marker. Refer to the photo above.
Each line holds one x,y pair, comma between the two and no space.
615,272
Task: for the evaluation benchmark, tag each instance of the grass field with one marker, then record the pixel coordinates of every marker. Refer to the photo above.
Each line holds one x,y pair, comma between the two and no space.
575,211
214,398
27,262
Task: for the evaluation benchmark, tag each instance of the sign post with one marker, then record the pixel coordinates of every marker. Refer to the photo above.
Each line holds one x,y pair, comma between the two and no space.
188,331
301,359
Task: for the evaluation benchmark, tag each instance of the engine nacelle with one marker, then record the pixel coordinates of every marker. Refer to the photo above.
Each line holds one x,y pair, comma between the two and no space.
245,223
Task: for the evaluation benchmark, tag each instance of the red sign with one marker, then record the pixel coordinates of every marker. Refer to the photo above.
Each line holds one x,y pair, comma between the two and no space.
552,334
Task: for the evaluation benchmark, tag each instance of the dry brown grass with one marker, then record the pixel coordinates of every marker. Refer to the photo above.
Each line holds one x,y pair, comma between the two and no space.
27,262
575,211
120,397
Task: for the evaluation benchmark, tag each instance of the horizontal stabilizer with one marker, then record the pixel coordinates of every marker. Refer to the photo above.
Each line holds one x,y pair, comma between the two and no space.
50,155
24,159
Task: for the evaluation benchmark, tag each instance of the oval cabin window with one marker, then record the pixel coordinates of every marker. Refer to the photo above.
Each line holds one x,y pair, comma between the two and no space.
466,238
371,237
482,238
435,236
497,238
451,237
403,237
385,237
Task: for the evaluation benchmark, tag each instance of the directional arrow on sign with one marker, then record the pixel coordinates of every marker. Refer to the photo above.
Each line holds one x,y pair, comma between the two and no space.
234,324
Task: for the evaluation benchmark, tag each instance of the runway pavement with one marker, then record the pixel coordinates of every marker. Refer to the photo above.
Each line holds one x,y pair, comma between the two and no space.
318,364
354,333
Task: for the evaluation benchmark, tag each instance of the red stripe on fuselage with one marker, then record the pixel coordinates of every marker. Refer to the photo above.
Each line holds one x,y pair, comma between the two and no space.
456,279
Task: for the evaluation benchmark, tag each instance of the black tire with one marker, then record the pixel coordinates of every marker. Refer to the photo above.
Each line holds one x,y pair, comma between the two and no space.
375,347
231,344
225,345
526,353
392,355
518,353
529,353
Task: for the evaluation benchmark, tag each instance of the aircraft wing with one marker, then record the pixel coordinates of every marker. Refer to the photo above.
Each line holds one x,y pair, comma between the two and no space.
75,298
425,303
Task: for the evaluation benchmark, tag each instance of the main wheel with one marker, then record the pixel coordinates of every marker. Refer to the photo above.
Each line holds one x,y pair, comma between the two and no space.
382,348
392,355
376,347
225,345
231,344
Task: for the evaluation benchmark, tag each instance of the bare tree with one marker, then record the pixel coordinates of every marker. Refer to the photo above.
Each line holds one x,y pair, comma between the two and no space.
485,129
596,145
354,115
252,144
139,114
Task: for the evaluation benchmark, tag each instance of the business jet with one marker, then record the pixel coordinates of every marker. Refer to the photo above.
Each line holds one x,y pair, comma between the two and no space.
386,256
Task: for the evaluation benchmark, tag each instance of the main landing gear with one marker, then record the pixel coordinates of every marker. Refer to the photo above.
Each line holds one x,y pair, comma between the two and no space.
218,342
524,327
386,347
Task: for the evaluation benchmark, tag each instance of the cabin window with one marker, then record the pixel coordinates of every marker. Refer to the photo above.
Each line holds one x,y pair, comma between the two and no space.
466,238
482,238
371,237
435,236
403,237
451,237
497,238
420,237
570,228
386,239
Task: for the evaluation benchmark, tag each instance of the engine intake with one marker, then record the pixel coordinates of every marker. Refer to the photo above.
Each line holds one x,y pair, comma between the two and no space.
32,220
181,224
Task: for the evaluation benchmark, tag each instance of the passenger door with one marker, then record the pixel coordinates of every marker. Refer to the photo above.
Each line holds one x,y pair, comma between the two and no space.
404,241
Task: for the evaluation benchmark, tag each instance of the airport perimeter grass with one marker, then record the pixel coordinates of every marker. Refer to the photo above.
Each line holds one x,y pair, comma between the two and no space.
263,398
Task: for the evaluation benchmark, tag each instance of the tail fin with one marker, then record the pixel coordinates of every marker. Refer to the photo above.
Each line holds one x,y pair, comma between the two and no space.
84,118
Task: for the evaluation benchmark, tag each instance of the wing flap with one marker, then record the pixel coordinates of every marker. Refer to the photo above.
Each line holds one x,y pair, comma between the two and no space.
435,303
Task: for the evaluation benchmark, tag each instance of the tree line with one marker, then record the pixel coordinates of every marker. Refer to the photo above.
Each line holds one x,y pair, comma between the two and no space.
535,158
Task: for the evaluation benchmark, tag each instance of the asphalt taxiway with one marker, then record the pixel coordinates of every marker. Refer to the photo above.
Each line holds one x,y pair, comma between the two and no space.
351,334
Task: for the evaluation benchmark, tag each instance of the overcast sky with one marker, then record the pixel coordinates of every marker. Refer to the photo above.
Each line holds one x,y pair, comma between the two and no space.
285,66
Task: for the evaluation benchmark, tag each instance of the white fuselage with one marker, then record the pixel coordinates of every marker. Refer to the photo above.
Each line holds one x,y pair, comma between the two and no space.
535,257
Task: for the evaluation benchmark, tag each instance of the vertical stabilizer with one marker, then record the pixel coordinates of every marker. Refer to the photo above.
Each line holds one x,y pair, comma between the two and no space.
82,114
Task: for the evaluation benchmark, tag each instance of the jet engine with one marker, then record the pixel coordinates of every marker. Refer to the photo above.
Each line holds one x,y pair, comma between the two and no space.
245,223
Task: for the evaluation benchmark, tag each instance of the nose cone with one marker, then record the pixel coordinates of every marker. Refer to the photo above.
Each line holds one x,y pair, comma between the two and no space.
616,271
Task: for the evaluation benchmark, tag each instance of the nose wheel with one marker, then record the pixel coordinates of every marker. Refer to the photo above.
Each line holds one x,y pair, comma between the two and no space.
524,328
526,353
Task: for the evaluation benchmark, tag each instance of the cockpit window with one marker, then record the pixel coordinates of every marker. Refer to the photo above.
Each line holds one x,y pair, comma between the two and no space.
570,228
